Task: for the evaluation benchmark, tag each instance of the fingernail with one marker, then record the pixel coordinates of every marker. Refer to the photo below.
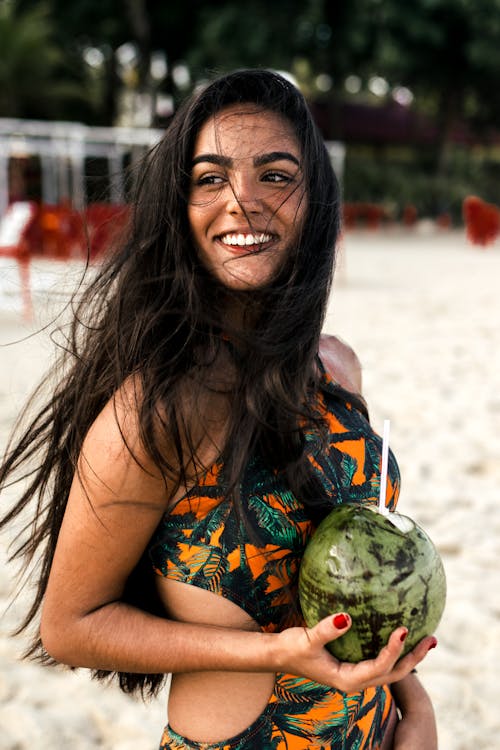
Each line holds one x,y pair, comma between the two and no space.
433,644
340,621
402,637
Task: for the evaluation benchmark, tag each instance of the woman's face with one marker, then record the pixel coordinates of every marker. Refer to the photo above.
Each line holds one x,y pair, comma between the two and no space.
247,198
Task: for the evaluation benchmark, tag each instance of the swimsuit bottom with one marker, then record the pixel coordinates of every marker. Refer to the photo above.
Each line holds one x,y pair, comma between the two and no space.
303,715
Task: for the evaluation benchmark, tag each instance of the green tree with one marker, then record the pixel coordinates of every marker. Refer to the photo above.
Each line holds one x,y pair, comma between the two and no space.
448,53
231,35
32,78
102,25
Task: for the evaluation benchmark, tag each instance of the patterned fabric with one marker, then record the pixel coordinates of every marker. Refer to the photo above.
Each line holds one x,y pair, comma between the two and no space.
203,543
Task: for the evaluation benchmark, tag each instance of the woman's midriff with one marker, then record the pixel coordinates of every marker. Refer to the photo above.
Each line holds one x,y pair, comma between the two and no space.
210,706
213,706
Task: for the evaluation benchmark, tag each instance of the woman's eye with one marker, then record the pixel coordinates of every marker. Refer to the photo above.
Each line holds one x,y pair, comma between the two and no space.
209,179
277,177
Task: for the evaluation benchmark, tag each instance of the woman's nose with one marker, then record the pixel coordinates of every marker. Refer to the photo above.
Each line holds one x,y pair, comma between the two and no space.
243,197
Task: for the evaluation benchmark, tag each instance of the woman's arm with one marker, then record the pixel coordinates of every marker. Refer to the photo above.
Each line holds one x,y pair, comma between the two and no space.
417,728
114,506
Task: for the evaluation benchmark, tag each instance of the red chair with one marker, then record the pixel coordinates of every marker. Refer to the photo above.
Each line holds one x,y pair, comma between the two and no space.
482,221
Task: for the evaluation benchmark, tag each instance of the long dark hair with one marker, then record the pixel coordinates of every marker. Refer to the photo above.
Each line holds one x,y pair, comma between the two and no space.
153,313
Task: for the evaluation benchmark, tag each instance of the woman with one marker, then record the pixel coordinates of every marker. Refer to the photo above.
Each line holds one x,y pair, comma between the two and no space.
197,440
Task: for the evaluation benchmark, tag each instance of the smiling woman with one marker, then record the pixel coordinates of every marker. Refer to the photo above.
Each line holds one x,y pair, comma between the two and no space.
197,439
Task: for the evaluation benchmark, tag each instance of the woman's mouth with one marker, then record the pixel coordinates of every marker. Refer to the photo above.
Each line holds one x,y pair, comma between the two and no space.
248,239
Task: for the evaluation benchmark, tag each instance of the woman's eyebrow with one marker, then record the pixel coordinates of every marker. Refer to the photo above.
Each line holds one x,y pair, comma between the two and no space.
221,161
259,161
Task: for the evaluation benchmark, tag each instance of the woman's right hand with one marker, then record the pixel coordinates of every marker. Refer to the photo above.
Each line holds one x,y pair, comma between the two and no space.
302,651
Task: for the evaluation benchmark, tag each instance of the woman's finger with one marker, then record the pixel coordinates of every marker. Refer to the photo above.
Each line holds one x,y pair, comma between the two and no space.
330,628
415,656
391,652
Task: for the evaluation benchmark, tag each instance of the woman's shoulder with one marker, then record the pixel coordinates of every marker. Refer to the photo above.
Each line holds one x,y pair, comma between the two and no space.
119,417
341,362
114,458
116,431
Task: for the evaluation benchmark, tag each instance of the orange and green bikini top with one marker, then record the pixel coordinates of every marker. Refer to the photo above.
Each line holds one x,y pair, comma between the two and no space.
202,541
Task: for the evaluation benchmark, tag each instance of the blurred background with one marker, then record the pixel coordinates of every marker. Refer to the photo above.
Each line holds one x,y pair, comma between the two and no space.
408,91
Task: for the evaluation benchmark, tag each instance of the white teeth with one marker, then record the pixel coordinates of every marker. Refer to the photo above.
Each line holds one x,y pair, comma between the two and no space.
245,239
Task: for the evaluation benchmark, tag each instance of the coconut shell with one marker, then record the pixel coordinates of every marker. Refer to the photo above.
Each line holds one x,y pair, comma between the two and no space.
360,562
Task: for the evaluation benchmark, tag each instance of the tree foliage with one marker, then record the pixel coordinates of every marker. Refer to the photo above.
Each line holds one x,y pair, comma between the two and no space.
32,76
448,52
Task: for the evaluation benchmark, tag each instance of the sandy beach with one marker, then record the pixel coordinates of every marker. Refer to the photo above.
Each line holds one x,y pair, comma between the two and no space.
422,310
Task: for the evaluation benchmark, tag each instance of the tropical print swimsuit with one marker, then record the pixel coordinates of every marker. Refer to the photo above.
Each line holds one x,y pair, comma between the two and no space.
202,542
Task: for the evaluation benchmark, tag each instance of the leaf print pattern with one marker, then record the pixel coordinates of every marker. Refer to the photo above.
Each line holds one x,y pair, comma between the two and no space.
201,541
276,524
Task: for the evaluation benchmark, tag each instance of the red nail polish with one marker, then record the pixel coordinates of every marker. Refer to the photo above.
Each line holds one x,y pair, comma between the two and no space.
340,621
433,644
402,637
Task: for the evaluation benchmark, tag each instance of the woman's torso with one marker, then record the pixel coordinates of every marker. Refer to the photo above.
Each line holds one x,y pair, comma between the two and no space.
210,571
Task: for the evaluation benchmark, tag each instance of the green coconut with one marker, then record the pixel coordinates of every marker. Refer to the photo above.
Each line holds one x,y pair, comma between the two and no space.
380,568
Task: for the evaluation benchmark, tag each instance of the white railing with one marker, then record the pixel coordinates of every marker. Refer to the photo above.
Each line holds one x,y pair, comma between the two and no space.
62,148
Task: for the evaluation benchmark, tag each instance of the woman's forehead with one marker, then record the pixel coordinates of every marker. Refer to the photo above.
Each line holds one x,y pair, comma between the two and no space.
246,129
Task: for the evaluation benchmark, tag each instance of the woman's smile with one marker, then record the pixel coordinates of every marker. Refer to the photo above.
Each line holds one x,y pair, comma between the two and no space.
242,239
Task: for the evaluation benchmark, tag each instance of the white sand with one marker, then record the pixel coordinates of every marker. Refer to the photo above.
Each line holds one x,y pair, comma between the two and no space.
423,312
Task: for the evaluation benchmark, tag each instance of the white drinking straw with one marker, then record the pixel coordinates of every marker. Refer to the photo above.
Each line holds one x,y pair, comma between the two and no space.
383,469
